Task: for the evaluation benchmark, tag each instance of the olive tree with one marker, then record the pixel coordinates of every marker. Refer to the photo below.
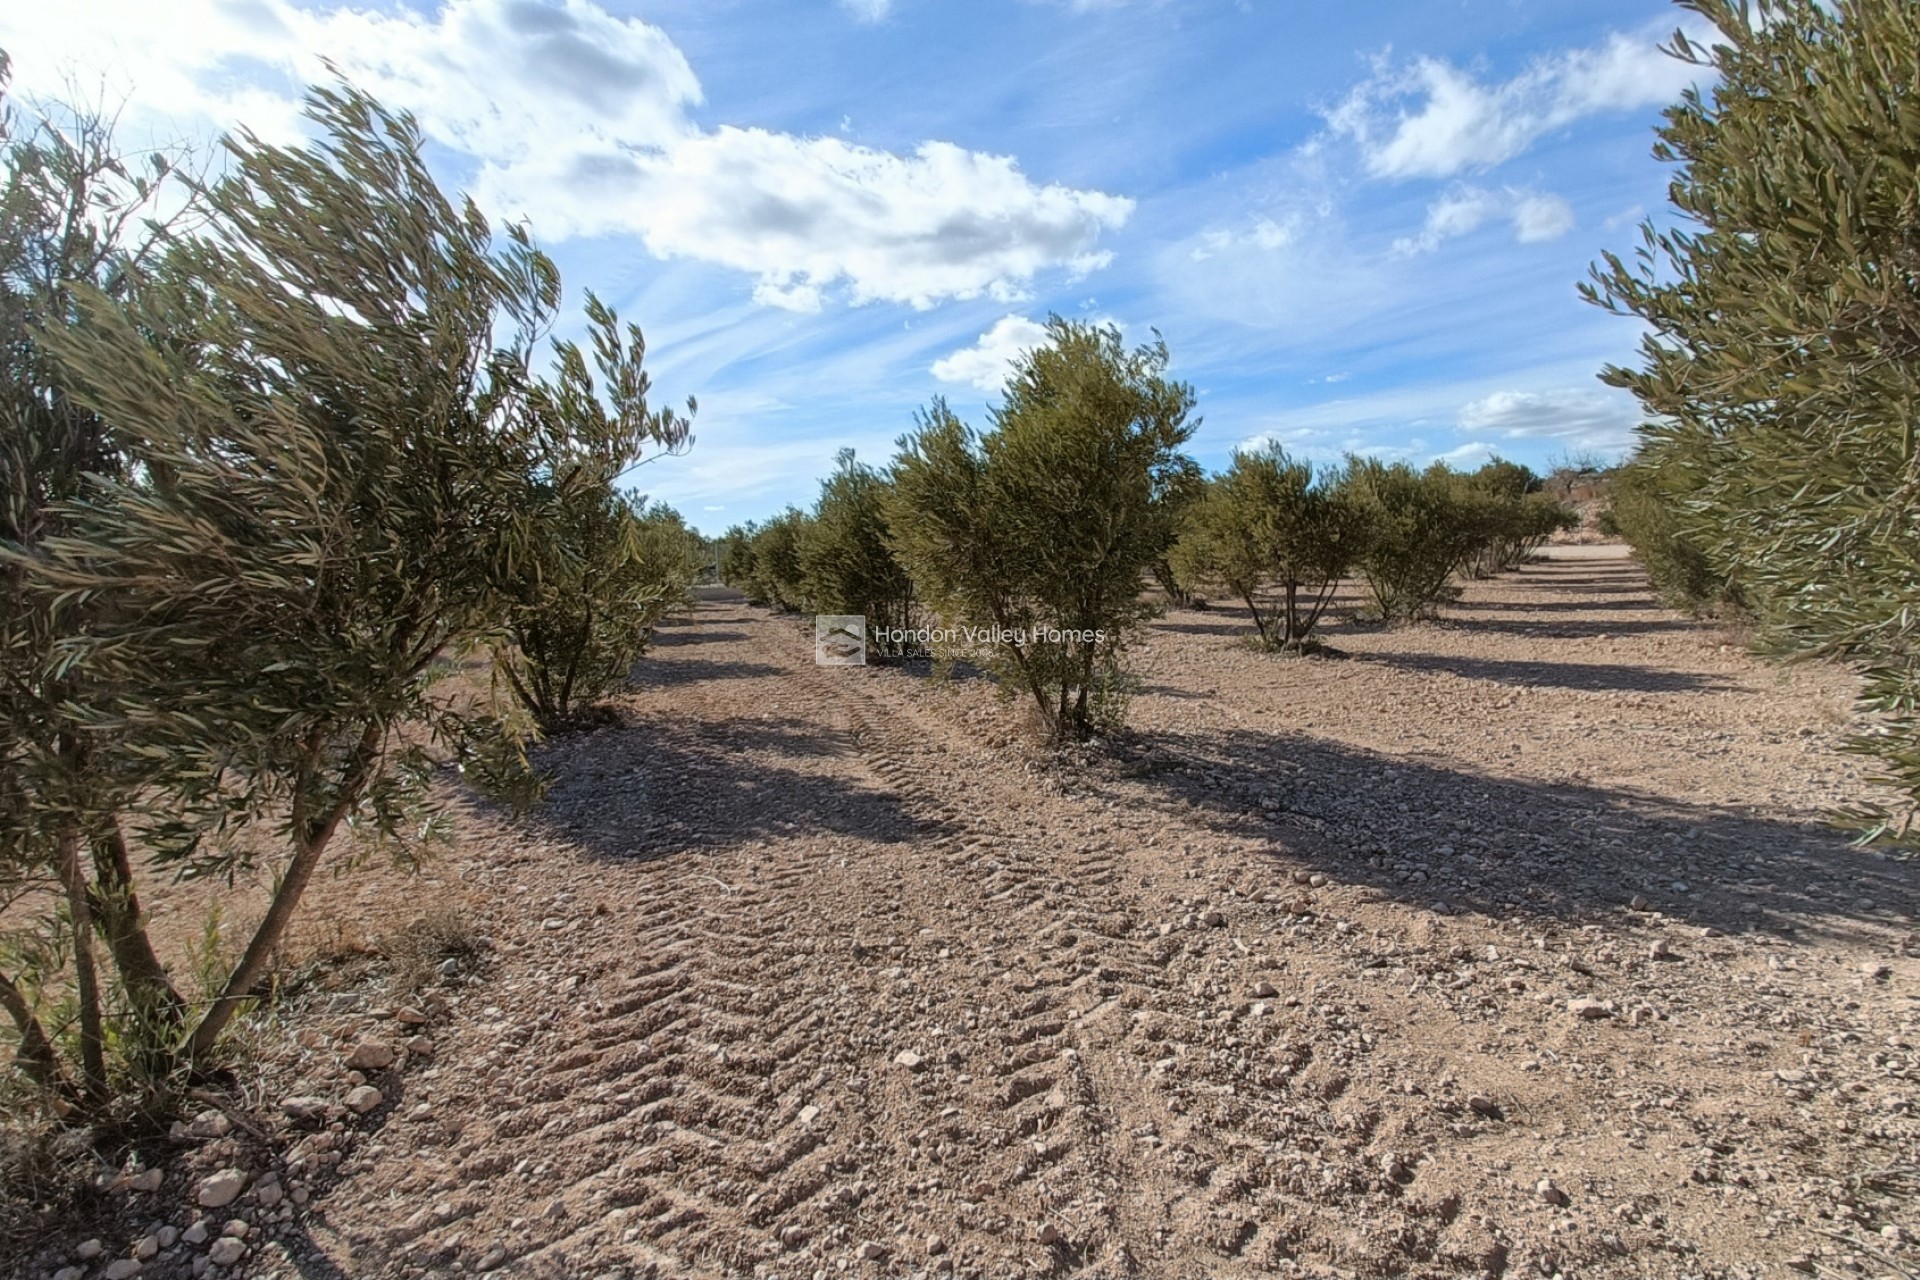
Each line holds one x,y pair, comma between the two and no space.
1268,524
1782,323
846,560
600,574
328,481
1421,526
75,215
1043,528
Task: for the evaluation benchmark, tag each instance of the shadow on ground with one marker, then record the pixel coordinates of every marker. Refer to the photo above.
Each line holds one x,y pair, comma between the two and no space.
658,785
1598,676
1428,834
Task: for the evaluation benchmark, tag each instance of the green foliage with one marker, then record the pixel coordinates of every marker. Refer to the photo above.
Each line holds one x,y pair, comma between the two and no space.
1044,528
1421,526
1179,573
1782,330
1510,515
599,571
74,218
1647,511
1269,524
316,470
846,562
763,560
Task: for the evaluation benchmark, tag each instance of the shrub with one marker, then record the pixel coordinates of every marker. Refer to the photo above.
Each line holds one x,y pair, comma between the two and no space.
1512,517
1647,512
1777,360
601,572
1269,524
778,578
846,561
1045,527
1420,528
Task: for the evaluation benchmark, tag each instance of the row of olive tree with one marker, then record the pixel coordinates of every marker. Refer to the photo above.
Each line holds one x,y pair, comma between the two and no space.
1040,533
260,479
1279,536
1780,474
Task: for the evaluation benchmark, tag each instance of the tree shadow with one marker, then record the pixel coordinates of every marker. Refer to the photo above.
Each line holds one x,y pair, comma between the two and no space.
1429,833
685,671
660,785
1597,676
1567,628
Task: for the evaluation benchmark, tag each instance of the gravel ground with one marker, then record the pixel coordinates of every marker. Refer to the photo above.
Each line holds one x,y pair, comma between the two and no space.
1511,945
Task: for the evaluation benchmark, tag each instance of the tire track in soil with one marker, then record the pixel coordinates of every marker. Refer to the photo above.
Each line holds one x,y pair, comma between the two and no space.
1091,1009
713,1090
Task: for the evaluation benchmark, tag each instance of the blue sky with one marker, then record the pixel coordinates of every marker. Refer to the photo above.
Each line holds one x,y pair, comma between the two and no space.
1358,227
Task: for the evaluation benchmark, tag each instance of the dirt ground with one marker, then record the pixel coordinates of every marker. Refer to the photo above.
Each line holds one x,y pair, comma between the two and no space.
1512,945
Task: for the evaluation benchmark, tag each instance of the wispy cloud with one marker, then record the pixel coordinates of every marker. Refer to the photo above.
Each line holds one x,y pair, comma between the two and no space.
1432,119
1535,216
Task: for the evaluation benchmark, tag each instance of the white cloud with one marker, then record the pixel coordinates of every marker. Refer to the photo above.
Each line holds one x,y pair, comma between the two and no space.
987,362
1264,234
1541,217
582,122
868,10
1586,418
1463,210
1434,120
1466,457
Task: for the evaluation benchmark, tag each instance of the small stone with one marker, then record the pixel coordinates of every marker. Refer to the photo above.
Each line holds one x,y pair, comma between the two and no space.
269,1194
1589,1009
936,1246
122,1269
364,1099
168,1236
1214,917
1639,902
419,1046
412,1017
226,1251
147,1180
1874,971
1481,1104
1265,990
1660,950
89,1250
1049,1234
146,1246
1550,1193
236,1229
69,1273
909,1059
211,1124
1681,886
195,1234
216,1191
793,1235
370,1055
492,1259
305,1106
873,1251
809,1113
1801,1262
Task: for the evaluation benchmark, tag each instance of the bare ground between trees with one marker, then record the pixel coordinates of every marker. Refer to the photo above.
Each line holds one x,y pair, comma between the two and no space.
810,970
